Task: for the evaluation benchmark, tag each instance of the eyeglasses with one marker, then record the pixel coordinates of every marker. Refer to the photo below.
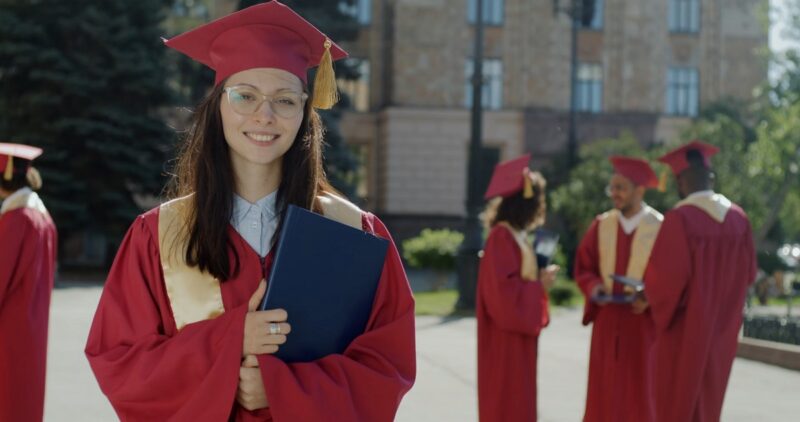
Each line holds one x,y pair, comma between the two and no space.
615,187
246,100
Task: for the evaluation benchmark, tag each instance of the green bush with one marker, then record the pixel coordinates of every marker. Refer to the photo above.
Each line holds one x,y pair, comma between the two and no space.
564,293
433,249
770,262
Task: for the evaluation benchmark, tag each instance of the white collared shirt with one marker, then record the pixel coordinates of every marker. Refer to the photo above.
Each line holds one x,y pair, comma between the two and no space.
256,223
708,193
630,224
9,200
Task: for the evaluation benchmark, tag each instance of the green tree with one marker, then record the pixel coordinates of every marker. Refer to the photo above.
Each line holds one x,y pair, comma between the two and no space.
757,166
774,164
83,80
333,20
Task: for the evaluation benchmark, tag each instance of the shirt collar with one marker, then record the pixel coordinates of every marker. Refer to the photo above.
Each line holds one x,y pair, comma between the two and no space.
264,206
708,192
630,224
10,199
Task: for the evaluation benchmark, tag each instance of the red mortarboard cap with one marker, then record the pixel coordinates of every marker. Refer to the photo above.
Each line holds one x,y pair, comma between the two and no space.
9,151
677,158
265,35
508,177
636,170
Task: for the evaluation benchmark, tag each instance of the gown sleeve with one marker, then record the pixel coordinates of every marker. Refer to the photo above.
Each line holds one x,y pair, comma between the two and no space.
148,370
367,381
587,270
13,229
513,303
668,271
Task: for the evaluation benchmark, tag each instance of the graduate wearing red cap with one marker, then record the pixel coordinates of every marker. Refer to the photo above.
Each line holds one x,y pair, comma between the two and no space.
618,242
177,335
701,266
511,302
28,243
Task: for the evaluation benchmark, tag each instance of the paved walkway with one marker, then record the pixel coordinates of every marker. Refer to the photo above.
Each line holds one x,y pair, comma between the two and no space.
445,389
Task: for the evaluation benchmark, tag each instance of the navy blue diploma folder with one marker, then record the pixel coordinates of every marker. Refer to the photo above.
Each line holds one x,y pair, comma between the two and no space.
325,276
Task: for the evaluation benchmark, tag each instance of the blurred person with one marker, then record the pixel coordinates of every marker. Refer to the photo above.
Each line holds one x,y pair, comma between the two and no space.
701,267
28,247
619,242
511,302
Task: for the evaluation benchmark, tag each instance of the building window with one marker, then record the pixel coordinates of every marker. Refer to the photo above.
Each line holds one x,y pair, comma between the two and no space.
684,15
493,11
682,91
596,22
589,88
361,10
492,92
357,90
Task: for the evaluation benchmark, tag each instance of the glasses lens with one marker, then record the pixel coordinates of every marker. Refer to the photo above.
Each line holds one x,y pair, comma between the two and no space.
244,100
287,105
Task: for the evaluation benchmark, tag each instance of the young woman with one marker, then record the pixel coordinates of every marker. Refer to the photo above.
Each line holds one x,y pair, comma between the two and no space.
177,335
28,243
511,298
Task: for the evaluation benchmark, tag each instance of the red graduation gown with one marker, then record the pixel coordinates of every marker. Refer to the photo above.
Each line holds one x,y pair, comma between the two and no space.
28,243
510,312
619,362
151,371
697,278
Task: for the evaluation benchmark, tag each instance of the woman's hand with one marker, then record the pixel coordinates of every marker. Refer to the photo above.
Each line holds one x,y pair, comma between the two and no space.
250,393
547,276
264,331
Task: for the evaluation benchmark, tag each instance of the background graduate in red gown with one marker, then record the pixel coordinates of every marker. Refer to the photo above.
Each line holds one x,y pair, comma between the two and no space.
176,335
28,244
619,242
511,303
701,266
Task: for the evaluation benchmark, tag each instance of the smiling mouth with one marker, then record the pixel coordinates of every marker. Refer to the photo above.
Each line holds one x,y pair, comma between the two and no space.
261,137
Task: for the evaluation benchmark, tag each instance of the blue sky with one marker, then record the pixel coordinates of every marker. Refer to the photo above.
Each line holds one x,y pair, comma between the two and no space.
777,40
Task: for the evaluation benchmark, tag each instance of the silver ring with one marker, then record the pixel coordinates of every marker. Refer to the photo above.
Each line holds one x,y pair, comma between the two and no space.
274,328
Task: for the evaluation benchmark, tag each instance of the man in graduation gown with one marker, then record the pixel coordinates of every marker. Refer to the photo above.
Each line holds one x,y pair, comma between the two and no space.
28,243
512,305
618,242
702,264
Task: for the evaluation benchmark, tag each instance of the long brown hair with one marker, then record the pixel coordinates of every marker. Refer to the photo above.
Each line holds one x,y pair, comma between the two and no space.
520,212
204,169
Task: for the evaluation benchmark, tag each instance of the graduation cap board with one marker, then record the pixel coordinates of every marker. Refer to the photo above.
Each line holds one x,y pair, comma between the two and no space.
678,159
9,151
510,177
636,285
636,170
613,298
267,35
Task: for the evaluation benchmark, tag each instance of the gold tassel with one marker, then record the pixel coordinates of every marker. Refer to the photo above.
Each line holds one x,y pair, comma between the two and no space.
662,180
527,192
326,95
9,172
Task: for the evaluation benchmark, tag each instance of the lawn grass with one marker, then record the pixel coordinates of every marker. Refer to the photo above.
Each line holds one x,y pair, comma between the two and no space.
443,302
437,303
